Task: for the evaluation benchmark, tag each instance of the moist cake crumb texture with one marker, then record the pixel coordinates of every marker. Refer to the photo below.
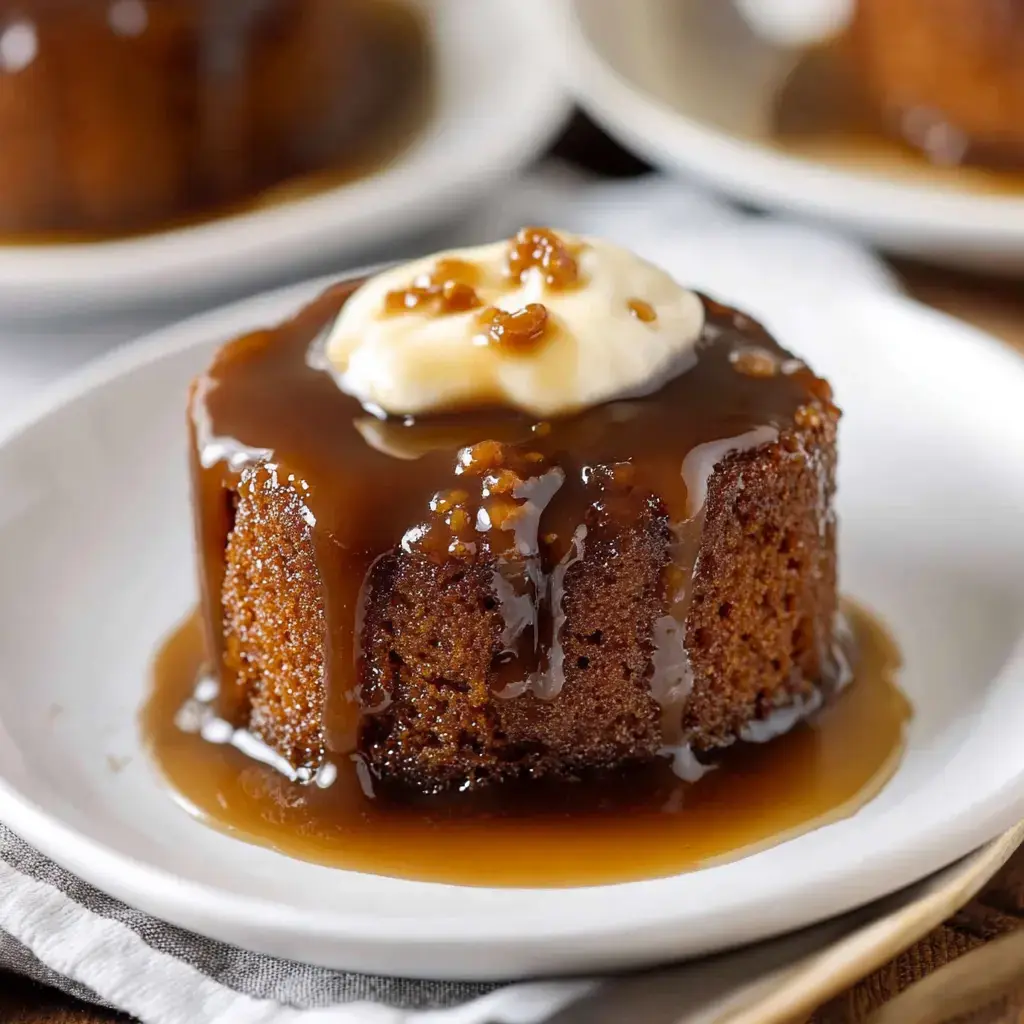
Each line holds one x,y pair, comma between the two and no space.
461,600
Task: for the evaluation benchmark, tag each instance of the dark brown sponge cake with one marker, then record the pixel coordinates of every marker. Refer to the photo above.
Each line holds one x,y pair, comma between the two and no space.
273,620
355,605
433,637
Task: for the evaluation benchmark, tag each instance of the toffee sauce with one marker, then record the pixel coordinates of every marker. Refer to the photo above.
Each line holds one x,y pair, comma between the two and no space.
617,827
369,484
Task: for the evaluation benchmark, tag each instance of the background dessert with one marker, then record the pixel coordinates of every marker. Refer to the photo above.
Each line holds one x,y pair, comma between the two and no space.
468,594
946,75
121,115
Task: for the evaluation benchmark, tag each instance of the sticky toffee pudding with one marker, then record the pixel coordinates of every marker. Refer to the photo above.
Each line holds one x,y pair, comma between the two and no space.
506,534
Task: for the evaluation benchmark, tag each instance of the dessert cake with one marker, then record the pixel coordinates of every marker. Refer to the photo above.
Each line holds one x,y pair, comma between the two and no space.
117,116
522,510
947,75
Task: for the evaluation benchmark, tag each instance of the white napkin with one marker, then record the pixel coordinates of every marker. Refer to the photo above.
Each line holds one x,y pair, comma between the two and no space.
63,932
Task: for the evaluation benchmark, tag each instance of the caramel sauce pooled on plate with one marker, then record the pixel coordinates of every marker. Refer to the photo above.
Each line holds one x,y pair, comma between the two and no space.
618,827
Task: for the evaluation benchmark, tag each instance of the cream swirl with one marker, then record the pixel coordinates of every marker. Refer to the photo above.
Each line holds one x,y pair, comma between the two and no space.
548,324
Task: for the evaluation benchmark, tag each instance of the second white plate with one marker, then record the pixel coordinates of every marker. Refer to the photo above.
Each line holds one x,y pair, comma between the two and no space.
689,85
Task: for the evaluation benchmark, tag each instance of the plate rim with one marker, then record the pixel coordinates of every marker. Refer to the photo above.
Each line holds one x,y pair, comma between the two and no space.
144,885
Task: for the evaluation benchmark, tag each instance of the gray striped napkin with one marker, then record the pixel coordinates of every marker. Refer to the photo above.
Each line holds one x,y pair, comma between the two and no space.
62,932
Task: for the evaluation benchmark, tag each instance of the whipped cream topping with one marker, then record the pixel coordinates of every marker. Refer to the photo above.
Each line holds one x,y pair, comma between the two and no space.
590,322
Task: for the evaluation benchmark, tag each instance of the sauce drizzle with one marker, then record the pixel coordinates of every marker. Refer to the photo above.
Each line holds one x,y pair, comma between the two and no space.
621,827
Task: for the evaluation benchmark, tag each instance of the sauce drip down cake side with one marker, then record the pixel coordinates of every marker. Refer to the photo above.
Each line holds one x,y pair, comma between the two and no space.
469,595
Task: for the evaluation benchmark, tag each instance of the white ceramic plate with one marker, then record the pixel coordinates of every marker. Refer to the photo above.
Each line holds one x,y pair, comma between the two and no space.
689,85
496,109
96,563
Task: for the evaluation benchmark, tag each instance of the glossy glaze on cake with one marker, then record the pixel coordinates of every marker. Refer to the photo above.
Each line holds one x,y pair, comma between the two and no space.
481,594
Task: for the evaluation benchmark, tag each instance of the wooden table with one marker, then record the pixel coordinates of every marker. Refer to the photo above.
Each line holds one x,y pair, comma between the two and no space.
999,308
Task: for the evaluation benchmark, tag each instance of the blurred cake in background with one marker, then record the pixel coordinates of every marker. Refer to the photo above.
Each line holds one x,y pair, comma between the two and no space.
118,116
946,75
